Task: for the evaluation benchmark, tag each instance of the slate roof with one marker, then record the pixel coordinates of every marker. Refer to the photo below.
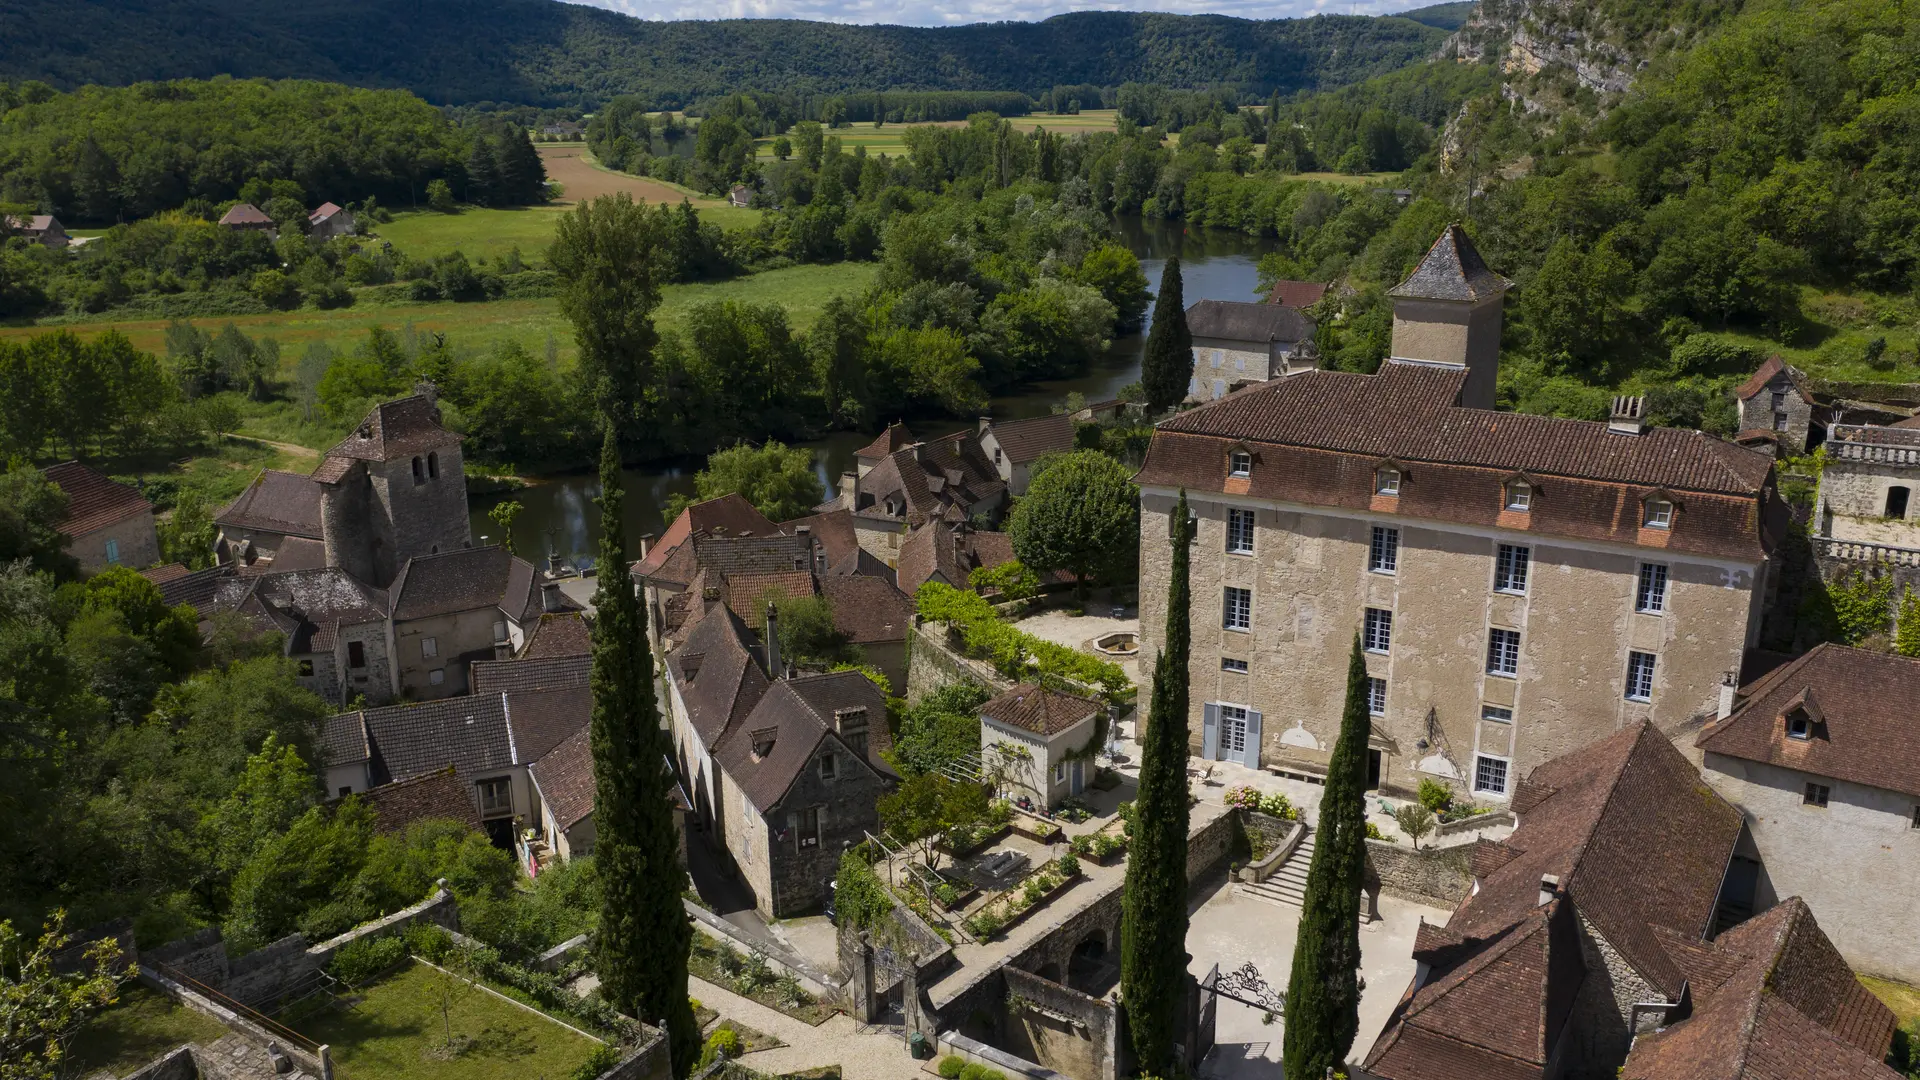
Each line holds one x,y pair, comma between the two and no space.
165,572
558,634
344,740
93,501
543,719
800,711
276,502
395,429
728,515
531,673
1777,1003
1027,440
869,610
312,605
467,579
1030,707
433,796
1297,294
198,588
931,480
1235,320
245,214
476,734
1318,437
1861,707
1773,366
718,677
1451,270
1639,844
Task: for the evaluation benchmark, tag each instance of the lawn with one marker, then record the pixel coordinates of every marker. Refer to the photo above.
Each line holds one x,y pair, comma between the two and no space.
476,231
1904,1000
890,138
394,1028
145,1024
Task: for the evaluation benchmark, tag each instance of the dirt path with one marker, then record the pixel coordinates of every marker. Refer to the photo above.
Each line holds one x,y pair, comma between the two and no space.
287,448
580,180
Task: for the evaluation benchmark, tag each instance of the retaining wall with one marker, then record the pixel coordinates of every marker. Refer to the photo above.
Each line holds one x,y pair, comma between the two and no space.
814,981
1438,877
933,664
177,1064
304,1059
1060,1027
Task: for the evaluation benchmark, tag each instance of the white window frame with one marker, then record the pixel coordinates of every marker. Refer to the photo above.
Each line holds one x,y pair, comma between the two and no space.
1386,481
1376,696
1237,719
1650,592
1506,774
1383,551
1377,634
1240,463
1512,564
1658,514
1505,670
429,648
1233,666
1234,616
1060,773
1799,726
1641,668
1219,388
1519,496
1496,714
1239,531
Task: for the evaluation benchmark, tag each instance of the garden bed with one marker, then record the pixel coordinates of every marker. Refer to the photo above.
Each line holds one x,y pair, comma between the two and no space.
972,842
753,978
1034,827
1104,848
1005,911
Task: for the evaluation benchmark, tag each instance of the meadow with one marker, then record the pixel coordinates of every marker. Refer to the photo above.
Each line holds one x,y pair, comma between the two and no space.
890,139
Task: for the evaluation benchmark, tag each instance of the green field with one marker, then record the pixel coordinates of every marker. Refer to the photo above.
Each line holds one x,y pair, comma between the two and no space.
890,138
478,232
144,1025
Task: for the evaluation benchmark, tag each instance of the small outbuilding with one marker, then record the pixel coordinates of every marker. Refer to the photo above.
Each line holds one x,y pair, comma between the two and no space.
329,221
248,218
107,523
1041,740
43,229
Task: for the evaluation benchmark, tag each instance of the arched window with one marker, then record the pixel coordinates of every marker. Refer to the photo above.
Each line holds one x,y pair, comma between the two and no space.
433,466
418,475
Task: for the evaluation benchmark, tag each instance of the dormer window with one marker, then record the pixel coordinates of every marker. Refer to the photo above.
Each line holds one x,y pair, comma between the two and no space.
1799,725
1386,481
1240,463
1519,496
1659,514
763,742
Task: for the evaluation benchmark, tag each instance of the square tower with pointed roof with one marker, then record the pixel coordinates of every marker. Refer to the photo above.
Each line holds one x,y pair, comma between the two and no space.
1448,312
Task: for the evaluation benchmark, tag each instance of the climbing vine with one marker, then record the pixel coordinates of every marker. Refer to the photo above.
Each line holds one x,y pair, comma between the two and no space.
1013,652
1906,634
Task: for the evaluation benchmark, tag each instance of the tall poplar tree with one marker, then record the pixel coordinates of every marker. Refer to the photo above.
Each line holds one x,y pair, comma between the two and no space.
1153,927
1168,366
1323,994
642,943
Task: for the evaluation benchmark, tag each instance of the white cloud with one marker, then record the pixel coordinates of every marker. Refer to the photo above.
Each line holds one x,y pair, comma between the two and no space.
959,12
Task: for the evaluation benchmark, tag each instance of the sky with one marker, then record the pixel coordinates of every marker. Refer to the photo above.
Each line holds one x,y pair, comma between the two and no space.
956,12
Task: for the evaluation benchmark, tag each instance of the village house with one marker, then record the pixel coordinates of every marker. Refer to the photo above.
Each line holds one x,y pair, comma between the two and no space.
1299,295
783,773
1778,400
333,627
393,489
439,795
1522,585
901,482
249,218
949,554
1822,755
106,523
273,525
328,221
42,229
1014,445
1041,741
740,195
1866,510
452,609
1239,344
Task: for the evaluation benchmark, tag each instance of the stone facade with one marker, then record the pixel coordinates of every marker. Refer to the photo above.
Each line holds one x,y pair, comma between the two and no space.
456,640
1221,365
1778,405
131,542
1060,1027
1842,858
1311,586
1453,332
797,876
1051,773
1437,877
1867,489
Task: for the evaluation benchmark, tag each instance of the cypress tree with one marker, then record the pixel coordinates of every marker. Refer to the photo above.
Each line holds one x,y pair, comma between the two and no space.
643,940
1323,994
1168,366
1153,927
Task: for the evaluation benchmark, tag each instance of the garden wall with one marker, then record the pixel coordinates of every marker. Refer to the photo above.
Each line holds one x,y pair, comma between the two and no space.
819,983
1439,877
176,1064
1060,1027
933,663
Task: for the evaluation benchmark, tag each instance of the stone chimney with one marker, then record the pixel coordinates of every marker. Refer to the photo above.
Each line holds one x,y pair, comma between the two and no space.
1549,888
646,544
1626,418
773,642
1729,694
985,423
551,598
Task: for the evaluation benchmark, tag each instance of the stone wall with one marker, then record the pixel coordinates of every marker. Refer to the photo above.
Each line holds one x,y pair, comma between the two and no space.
1439,877
819,983
200,956
177,1064
846,803
119,931
1208,844
647,1061
303,1058
1601,1009
934,664
909,944
1059,1027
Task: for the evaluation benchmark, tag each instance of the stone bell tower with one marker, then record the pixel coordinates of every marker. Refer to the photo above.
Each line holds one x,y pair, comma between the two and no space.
393,489
1448,312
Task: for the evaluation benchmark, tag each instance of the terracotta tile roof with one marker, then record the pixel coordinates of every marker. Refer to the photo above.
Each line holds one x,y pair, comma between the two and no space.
395,429
325,211
1297,294
746,595
1318,437
897,437
718,677
561,634
1773,366
927,481
1027,440
1781,1005
434,796
1234,320
932,549
276,502
1874,435
93,501
564,777
833,531
245,214
1859,705
869,610
800,713
728,515
1451,270
1043,712
1909,423
160,575
31,225
531,673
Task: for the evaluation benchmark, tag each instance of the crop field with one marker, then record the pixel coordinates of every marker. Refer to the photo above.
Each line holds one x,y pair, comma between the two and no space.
890,139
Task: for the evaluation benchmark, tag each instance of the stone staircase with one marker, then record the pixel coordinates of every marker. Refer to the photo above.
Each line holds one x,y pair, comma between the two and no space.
1286,886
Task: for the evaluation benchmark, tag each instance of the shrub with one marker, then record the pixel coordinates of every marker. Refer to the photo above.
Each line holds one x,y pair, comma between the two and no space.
1069,866
604,1057
976,1071
1013,652
755,973
1435,795
358,961
951,1065
723,1043
1243,798
1373,832
1278,805
1082,845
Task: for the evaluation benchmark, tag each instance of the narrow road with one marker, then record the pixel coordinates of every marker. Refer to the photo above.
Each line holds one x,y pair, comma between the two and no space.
290,449
861,1056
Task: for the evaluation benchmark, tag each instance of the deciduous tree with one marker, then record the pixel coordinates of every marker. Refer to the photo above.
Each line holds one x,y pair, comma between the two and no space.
777,479
1082,515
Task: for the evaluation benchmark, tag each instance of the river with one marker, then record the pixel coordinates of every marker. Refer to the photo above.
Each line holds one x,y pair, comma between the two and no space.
560,514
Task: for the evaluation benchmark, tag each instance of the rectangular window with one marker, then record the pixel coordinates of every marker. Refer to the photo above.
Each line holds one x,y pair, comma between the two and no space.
356,654
1659,514
437,676
1652,596
1519,496
1233,732
496,797
1384,555
429,648
113,552
1379,635
306,669
346,791
1817,794
1240,463
807,829
1510,569
1503,653
1377,697
1779,421
1490,774
1798,726
1779,400
829,766
1387,482
1639,676
1060,773
1239,609
1239,532
1496,713
1238,667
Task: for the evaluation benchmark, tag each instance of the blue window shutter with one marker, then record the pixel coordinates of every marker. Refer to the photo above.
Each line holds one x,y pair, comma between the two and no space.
1210,731
1252,757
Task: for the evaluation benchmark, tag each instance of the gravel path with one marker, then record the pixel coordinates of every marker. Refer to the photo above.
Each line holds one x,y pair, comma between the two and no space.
861,1056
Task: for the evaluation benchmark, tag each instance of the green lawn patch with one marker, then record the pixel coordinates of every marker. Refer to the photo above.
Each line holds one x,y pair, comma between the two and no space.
394,1029
1904,1000
144,1025
476,231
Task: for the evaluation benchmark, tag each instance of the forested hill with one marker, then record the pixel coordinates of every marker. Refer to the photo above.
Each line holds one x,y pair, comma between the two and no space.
541,52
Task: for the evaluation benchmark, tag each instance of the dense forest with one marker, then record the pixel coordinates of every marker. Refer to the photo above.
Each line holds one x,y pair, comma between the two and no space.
536,52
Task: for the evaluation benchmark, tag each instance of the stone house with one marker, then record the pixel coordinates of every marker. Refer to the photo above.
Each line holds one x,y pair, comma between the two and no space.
273,525
457,607
335,629
949,554
107,523
1822,755
1584,928
782,773
394,488
1299,295
1524,584
1778,399
1771,999
668,566
42,229
439,795
1014,445
740,195
1239,344
901,482
329,221
249,218
1050,734
1866,502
